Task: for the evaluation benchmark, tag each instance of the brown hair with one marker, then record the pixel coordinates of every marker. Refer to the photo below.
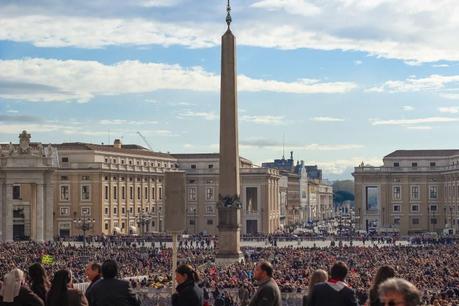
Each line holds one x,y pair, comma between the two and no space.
189,272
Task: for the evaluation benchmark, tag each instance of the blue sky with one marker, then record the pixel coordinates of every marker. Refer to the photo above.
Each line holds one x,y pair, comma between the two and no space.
342,81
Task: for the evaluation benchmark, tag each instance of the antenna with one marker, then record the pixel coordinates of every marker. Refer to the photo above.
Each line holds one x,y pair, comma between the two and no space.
283,145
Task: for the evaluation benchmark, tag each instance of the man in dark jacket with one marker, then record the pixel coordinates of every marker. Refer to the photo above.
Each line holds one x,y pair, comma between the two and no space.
93,274
268,293
335,291
110,291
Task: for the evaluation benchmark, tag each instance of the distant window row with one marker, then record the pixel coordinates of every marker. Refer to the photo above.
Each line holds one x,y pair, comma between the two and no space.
415,164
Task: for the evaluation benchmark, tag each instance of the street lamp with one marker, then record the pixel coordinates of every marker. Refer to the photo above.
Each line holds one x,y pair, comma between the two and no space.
143,219
85,223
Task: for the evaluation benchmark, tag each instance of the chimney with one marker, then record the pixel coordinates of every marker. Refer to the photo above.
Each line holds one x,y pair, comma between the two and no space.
117,144
291,155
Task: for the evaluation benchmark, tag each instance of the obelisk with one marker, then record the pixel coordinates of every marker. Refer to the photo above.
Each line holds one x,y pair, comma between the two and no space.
229,205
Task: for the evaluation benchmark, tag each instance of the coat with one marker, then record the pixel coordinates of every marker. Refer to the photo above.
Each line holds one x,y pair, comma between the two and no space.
89,289
332,293
25,298
113,292
267,294
188,294
76,297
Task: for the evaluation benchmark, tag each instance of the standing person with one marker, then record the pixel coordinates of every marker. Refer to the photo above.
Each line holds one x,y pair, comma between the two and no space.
111,291
399,292
335,291
39,282
93,274
188,293
383,273
14,293
244,294
62,292
268,293
318,276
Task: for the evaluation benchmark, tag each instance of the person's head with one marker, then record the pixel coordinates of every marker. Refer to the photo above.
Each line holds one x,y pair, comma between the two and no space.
263,270
398,292
57,295
318,276
37,275
185,273
339,271
109,269
383,273
12,283
92,270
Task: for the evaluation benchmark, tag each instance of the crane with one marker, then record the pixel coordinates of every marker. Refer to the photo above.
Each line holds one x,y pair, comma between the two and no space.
145,140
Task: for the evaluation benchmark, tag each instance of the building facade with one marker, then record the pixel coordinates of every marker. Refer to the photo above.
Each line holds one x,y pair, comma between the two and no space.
48,191
260,195
414,191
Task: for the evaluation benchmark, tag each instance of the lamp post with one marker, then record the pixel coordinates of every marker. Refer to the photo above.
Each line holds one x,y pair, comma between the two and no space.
143,219
85,223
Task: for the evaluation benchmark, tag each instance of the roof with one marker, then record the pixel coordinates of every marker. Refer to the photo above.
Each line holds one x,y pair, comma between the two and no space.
423,153
125,149
203,156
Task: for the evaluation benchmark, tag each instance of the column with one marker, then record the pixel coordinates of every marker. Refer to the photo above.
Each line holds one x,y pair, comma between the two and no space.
49,208
8,214
2,213
40,216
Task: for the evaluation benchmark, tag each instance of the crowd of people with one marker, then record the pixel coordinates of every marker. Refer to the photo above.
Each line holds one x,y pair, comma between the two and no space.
433,269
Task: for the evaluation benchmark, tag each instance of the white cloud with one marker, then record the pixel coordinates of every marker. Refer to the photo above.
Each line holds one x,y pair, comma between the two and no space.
433,82
340,165
440,65
295,7
408,30
125,122
408,122
408,108
266,119
419,127
158,3
58,80
13,111
358,62
450,96
326,119
206,115
451,109
331,147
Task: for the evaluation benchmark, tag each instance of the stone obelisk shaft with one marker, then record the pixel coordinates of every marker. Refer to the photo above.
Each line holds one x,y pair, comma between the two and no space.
229,188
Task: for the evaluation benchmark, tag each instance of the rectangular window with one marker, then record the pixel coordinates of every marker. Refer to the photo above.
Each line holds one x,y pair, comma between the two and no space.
432,164
397,221
65,194
415,221
193,166
396,193
415,208
64,211
396,208
210,222
251,196
396,164
106,210
153,193
123,192
106,226
160,191
139,193
414,165
192,194
123,210
414,192
106,192
115,210
85,211
433,192
65,159
146,193
209,193
433,208
131,193
192,222
85,192
64,178
433,220
211,166
115,193
17,192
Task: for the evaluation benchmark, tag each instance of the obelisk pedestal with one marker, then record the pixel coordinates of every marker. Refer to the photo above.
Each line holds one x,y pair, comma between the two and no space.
229,205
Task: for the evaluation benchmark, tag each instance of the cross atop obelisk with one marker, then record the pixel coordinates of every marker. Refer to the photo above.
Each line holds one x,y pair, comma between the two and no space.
229,205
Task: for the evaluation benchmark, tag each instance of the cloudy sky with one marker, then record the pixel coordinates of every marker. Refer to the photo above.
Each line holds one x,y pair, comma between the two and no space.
337,81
